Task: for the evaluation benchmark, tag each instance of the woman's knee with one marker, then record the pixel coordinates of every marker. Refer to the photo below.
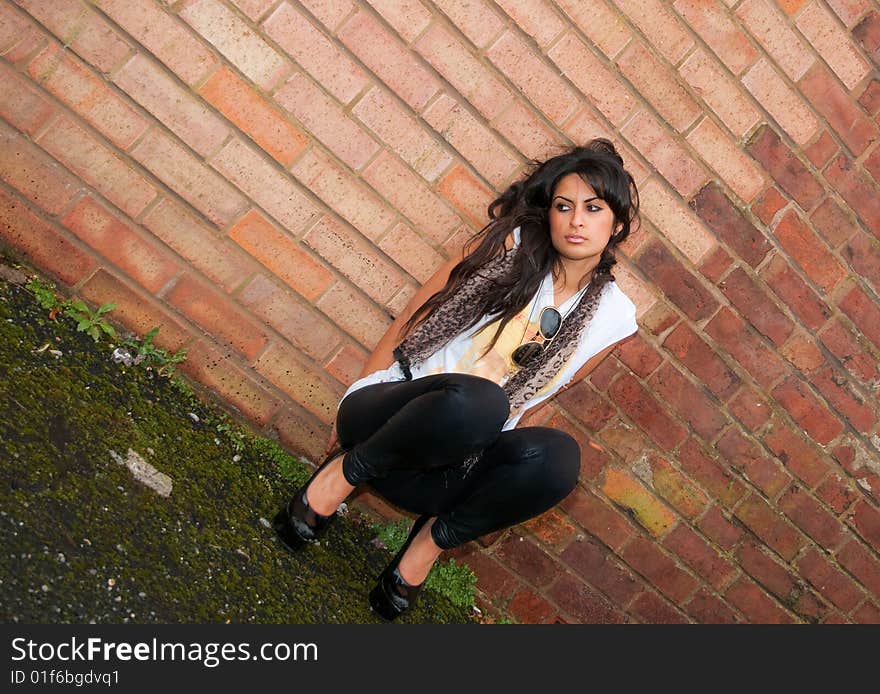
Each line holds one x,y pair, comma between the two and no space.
558,458
474,399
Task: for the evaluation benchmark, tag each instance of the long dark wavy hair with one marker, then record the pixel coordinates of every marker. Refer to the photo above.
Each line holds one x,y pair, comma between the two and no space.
526,204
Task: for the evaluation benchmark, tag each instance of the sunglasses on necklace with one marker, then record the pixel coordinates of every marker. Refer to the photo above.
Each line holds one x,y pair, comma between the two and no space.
549,323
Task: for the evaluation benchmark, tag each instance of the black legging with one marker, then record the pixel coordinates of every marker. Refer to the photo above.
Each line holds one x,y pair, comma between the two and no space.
408,439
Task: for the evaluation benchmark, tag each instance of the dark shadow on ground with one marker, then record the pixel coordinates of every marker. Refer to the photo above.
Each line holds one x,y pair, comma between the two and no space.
84,541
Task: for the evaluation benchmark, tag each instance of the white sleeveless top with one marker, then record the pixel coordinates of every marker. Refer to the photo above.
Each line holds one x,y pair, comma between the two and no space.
615,319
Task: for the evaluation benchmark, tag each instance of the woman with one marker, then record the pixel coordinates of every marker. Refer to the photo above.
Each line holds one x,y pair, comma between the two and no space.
430,423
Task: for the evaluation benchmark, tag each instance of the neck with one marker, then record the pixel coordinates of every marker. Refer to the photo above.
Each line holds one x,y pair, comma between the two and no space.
575,273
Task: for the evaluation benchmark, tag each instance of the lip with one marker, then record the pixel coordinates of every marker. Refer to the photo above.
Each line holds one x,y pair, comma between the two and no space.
574,238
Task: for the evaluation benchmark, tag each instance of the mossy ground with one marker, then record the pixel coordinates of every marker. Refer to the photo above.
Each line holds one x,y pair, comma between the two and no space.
84,541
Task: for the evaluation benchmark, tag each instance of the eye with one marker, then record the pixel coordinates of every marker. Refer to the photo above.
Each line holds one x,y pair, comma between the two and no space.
562,207
593,208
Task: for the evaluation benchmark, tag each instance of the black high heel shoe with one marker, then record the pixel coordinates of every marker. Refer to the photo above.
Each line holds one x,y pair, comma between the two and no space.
392,596
297,524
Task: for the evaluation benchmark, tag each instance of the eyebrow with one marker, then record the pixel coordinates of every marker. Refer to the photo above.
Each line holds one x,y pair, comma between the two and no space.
595,197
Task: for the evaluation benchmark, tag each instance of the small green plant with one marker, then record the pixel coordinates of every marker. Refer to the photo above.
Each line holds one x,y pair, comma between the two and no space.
87,321
145,351
456,581
290,467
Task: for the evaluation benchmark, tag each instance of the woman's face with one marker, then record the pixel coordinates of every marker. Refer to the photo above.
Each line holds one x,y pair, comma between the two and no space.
580,222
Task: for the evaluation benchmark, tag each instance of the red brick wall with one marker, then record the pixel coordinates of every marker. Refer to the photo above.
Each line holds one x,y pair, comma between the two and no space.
270,180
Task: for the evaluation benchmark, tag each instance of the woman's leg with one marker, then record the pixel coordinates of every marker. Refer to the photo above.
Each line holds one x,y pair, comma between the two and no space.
427,423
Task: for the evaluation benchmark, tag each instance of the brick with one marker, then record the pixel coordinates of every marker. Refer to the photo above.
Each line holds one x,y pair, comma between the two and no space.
866,520
624,440
302,434
675,488
254,9
702,361
551,528
868,613
751,409
583,604
714,25
238,43
384,54
804,303
535,18
252,114
527,559
655,83
719,529
771,30
768,204
172,105
626,492
752,301
849,11
327,64
821,151
862,311
665,153
763,520
14,29
343,193
217,259
188,176
27,169
733,336
700,556
854,187
81,29
716,265
722,94
329,12
354,258
601,570
679,285
163,35
41,243
20,104
641,357
327,121
802,245
863,255
857,559
829,581
844,398
408,18
218,315
467,194
541,85
403,134
598,518
660,25
742,454
676,222
870,98
601,86
593,460
636,402
602,376
407,193
660,570
840,110
347,364
843,344
411,252
810,517
833,44
713,476
652,609
706,608
755,604
225,378
600,24
354,314
492,576
689,401
529,608
766,570
781,102
274,191
833,223
474,141
137,257
280,254
137,311
803,353
527,133
97,165
317,394
795,453
807,410
721,215
726,158
837,492
791,175
872,164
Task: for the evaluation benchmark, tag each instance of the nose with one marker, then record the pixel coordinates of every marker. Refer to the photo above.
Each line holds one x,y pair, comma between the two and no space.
577,219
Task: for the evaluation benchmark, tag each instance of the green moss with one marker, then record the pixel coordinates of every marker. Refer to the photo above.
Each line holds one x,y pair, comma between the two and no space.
84,541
